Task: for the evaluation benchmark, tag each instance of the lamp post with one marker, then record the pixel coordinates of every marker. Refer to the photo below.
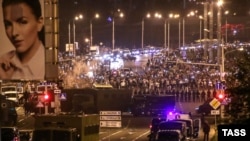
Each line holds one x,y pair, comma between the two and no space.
220,48
171,16
159,16
78,17
165,33
183,33
142,30
91,29
179,34
142,33
226,13
121,15
113,34
201,18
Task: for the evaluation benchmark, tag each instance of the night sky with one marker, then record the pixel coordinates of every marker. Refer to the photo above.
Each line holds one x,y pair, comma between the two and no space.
128,29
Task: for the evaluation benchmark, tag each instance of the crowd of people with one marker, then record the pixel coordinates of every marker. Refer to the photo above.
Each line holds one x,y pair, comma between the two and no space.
161,75
190,83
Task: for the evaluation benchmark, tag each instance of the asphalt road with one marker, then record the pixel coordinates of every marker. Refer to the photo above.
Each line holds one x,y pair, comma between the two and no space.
133,128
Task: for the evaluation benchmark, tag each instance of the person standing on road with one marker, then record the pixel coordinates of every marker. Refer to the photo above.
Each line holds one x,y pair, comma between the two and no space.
206,130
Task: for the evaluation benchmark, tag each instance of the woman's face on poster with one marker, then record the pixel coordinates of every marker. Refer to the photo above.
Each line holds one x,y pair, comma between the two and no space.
21,26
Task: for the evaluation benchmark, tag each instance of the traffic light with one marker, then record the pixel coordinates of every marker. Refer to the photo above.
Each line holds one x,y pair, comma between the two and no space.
46,97
220,95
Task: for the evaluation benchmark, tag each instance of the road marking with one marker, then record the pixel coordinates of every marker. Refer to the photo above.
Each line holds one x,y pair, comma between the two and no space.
122,138
128,124
147,132
111,135
21,120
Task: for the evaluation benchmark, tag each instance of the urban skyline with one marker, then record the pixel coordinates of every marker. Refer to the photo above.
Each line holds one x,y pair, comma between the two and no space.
128,29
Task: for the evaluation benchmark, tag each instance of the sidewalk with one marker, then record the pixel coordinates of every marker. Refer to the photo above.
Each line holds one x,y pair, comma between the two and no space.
212,134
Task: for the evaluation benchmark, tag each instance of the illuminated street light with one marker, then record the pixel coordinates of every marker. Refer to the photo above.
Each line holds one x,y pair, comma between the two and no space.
76,18
158,15
201,18
226,13
142,30
220,48
190,14
87,40
91,27
170,16
121,15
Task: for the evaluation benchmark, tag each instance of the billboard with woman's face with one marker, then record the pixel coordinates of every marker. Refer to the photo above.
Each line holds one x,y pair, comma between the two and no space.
22,51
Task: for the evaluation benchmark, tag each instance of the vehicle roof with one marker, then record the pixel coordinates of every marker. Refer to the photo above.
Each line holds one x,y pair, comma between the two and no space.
55,128
10,127
100,86
171,124
7,92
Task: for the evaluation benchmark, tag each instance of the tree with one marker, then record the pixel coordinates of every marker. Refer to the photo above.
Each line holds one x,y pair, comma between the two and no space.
238,87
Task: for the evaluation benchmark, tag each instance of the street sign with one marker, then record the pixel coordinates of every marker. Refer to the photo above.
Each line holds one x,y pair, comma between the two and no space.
215,103
57,91
110,113
110,119
117,124
62,96
215,112
39,104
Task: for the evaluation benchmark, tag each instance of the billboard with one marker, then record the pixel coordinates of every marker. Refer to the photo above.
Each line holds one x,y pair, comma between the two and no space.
25,54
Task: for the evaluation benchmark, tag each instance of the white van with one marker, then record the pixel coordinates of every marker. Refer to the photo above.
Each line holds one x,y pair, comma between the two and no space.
42,88
11,95
8,88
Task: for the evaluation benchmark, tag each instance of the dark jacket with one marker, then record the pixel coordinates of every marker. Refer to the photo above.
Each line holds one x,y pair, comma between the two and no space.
206,127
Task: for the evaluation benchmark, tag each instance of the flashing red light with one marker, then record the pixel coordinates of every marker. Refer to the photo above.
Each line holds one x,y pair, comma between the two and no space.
46,96
221,96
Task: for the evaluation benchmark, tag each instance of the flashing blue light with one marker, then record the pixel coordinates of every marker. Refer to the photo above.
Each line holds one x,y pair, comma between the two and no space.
109,19
170,113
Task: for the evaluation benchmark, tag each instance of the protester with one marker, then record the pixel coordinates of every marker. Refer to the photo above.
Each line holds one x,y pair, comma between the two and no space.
206,130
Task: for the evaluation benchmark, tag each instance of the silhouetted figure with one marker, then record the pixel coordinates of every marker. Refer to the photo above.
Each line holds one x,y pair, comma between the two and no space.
26,96
206,130
27,108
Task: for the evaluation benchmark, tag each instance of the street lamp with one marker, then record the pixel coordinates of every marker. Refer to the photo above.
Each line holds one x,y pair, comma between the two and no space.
179,33
219,4
201,18
121,15
159,16
142,30
87,40
226,13
78,17
91,27
171,16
